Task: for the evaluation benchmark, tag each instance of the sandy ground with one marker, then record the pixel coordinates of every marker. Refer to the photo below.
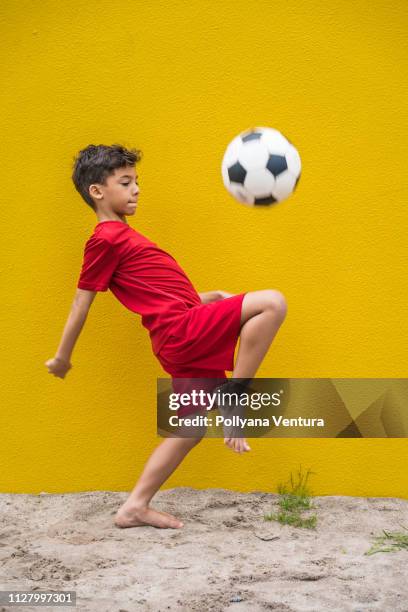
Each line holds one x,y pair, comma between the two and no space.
226,557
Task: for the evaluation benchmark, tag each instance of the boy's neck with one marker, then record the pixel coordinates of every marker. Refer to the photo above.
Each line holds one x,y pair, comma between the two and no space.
112,217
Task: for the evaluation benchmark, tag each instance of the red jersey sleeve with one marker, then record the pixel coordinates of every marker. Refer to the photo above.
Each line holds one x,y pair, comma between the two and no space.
99,263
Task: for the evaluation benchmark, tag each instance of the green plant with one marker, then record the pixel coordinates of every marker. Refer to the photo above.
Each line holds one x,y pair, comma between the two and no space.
396,541
293,501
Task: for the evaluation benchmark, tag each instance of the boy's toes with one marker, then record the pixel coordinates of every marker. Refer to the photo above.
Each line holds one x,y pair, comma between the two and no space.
239,445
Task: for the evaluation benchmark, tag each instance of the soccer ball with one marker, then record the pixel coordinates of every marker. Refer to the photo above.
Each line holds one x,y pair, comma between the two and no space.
260,167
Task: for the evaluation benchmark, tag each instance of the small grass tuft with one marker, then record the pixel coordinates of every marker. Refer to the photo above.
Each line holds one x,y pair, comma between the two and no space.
293,501
389,542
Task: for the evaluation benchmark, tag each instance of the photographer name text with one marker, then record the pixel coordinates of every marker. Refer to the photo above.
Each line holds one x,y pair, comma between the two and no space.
237,421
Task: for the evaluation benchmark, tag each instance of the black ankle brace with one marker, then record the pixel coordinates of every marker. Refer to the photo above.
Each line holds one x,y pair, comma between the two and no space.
235,385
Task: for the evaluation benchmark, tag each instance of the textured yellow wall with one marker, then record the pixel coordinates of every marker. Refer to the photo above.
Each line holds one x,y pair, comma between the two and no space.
179,80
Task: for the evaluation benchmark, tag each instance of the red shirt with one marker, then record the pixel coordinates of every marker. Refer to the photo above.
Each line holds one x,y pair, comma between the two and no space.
146,279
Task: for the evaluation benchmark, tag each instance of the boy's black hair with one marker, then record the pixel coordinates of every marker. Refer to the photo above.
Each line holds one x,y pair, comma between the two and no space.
96,162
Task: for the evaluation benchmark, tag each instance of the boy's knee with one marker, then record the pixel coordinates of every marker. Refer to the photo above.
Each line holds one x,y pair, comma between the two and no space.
277,302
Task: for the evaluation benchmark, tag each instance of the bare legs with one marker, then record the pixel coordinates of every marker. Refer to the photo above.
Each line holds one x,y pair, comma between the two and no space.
262,314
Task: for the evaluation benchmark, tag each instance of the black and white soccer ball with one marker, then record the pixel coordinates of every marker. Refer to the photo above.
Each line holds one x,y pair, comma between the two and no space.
261,167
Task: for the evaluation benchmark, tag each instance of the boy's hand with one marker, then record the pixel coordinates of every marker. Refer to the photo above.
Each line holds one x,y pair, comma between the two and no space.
224,294
58,367
214,296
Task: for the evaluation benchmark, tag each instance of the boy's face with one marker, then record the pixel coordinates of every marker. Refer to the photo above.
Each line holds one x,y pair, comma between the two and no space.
120,193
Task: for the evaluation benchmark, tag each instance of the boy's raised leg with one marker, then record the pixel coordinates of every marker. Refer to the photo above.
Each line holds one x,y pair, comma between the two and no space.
262,315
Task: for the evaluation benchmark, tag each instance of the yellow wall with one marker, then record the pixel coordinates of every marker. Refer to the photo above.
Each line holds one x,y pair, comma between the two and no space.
179,80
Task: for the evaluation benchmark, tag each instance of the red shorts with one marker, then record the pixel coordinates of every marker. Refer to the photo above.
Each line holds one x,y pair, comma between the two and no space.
202,344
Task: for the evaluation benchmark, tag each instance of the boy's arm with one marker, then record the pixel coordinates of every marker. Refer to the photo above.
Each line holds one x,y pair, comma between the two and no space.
214,296
60,364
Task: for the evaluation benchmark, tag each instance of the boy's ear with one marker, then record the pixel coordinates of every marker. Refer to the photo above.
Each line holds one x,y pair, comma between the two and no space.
95,191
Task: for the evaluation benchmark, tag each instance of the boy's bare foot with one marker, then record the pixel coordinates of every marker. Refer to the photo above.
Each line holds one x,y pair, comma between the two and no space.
131,516
233,411
239,445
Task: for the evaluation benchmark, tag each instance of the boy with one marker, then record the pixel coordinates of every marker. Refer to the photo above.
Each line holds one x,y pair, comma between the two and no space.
192,334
